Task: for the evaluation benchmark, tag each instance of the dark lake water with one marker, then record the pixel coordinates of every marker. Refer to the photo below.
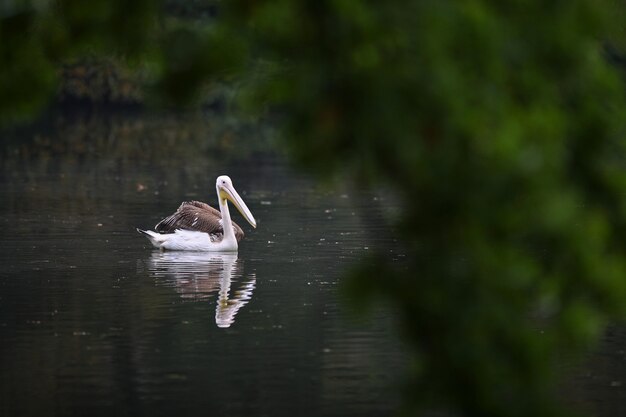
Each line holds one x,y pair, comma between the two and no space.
93,321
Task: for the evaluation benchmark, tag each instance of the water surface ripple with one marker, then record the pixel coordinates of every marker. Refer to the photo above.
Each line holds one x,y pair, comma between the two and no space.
93,321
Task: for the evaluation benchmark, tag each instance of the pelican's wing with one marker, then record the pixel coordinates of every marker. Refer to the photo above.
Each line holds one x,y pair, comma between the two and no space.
198,216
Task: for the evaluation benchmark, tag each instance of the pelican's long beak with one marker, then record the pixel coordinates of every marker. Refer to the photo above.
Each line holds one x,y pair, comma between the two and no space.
228,191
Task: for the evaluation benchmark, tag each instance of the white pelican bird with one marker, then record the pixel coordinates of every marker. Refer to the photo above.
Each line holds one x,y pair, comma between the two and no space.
197,226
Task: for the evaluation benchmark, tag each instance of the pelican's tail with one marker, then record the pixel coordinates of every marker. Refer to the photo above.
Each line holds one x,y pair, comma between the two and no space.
156,239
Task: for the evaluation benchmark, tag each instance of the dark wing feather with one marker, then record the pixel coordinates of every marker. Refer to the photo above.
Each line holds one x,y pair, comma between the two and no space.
198,216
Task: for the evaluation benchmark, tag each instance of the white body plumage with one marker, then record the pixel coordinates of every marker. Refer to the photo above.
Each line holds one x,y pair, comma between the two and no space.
190,240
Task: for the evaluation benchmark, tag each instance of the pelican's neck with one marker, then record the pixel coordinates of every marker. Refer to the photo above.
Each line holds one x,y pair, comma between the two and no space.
227,224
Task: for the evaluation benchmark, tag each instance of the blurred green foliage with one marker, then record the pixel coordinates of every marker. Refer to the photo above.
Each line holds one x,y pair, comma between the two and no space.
498,125
113,52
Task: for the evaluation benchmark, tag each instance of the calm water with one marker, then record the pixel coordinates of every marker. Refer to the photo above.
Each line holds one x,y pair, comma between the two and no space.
93,321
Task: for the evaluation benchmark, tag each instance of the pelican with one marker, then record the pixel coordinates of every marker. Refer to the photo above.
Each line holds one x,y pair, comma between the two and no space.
196,226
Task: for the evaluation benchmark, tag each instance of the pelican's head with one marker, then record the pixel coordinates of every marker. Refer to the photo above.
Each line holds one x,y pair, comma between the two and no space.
226,191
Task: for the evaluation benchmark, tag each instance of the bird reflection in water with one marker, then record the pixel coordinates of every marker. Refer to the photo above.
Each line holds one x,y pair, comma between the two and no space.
198,275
